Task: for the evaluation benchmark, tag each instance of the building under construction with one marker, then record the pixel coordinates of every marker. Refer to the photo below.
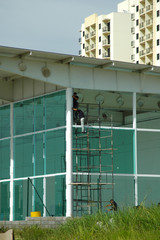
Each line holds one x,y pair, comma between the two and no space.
47,163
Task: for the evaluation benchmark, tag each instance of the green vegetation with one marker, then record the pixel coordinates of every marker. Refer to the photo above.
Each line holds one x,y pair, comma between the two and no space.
130,224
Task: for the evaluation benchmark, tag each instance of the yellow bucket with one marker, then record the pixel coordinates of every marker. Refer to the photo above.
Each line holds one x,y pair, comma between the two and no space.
35,214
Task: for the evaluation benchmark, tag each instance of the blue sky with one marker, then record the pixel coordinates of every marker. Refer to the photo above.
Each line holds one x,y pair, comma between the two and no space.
48,25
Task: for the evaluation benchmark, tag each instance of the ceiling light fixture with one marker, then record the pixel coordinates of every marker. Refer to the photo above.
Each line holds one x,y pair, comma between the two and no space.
140,102
120,100
99,99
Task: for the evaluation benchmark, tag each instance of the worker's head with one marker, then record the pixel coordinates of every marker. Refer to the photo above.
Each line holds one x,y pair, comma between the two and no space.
111,201
74,93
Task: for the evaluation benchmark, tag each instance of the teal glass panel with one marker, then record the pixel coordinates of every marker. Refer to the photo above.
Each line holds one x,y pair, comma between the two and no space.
22,199
123,151
148,114
91,198
39,114
55,193
55,151
39,151
148,152
5,121
148,190
4,201
124,191
38,195
55,109
23,155
95,148
5,159
23,117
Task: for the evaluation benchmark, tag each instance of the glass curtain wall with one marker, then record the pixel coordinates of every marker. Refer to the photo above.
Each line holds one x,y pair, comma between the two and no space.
39,154
92,157
148,148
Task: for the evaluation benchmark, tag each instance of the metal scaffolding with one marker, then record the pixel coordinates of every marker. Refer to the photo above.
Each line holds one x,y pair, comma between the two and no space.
93,181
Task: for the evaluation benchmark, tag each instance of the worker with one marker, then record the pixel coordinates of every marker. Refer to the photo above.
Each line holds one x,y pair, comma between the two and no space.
77,113
81,118
75,106
113,205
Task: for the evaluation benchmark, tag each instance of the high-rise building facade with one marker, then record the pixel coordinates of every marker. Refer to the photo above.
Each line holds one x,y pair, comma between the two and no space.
101,36
134,37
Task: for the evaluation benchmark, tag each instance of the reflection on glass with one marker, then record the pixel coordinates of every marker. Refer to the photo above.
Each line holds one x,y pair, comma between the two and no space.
148,152
148,111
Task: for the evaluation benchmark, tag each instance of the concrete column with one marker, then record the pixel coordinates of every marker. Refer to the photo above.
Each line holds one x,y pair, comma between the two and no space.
135,150
11,163
69,197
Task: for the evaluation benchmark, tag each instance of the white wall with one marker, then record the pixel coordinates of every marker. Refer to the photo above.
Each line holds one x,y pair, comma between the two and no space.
121,36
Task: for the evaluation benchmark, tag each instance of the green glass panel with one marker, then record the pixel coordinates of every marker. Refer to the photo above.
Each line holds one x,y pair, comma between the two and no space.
5,121
99,151
39,113
92,151
90,198
148,152
23,155
4,201
23,117
38,195
123,194
39,161
55,192
148,114
22,199
124,191
123,153
5,159
55,109
148,190
55,151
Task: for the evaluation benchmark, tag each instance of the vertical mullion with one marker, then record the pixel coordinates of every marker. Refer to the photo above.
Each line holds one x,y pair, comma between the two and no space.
44,157
11,218
135,150
69,200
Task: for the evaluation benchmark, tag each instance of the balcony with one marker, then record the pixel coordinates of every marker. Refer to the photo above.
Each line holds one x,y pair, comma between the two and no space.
142,53
93,33
87,48
141,39
133,16
80,40
149,22
142,25
133,44
87,36
105,29
106,55
149,36
149,8
105,42
149,50
141,11
132,57
132,30
92,46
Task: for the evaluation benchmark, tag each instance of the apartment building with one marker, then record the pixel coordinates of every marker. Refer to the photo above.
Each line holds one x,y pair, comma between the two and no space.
137,33
101,36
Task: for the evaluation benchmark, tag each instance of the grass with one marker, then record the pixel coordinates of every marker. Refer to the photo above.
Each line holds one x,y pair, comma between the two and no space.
130,224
